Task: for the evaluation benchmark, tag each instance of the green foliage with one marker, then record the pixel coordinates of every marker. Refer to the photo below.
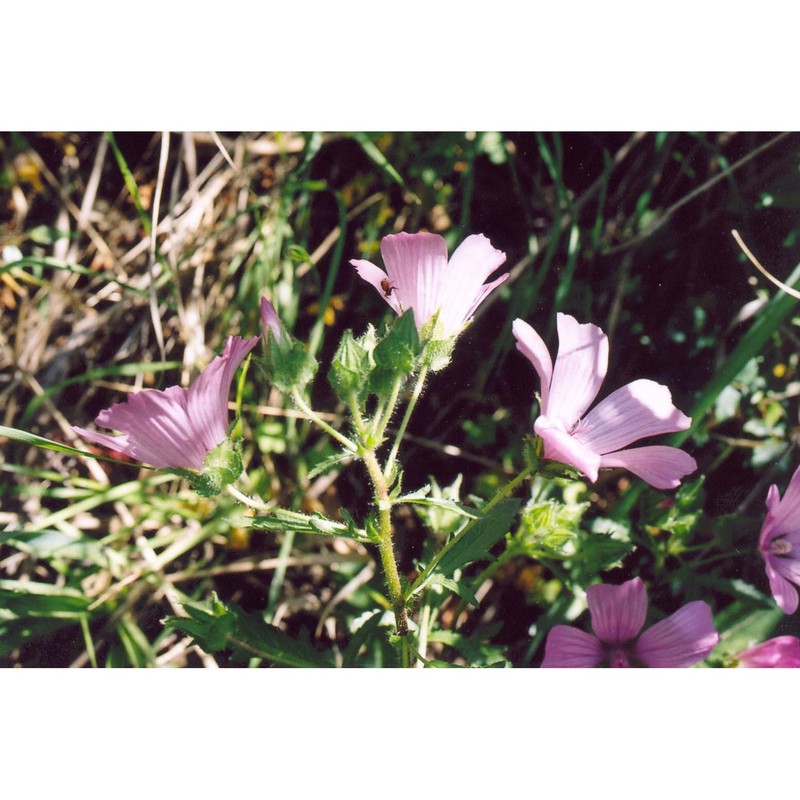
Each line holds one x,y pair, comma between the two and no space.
395,354
350,370
476,539
439,508
288,364
220,627
223,465
549,527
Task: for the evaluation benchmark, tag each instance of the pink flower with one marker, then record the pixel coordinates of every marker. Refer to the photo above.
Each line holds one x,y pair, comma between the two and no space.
590,442
779,543
781,652
177,427
618,613
419,276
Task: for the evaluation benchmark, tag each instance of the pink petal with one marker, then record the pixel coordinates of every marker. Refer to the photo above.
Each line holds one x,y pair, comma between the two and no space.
788,565
270,321
560,446
483,292
784,593
532,346
571,647
473,261
642,408
579,370
418,276
681,640
175,427
416,264
156,429
769,530
661,466
780,652
207,403
618,612
786,513
376,276
118,443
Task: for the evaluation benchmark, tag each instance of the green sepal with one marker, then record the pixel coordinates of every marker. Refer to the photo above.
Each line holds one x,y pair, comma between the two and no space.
395,354
223,465
438,347
437,352
288,364
351,367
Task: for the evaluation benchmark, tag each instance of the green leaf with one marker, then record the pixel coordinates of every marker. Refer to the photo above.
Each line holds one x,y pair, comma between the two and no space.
39,441
367,631
439,508
424,497
374,153
217,626
457,587
46,234
55,545
477,539
33,599
742,626
600,551
130,182
315,524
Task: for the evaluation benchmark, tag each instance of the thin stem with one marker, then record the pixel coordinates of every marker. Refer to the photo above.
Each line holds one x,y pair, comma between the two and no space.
422,636
384,417
385,548
250,502
276,584
355,410
506,490
423,374
312,415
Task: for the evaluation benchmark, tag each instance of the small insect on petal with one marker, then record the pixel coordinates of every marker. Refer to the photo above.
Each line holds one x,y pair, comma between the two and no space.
387,287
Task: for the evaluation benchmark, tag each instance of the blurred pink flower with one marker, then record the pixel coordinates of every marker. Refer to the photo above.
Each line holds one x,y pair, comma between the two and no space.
591,442
618,614
781,652
419,276
176,427
270,321
779,543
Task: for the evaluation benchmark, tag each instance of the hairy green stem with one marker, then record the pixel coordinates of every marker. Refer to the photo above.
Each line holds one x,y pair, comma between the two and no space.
423,374
323,524
383,416
358,419
385,548
315,418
